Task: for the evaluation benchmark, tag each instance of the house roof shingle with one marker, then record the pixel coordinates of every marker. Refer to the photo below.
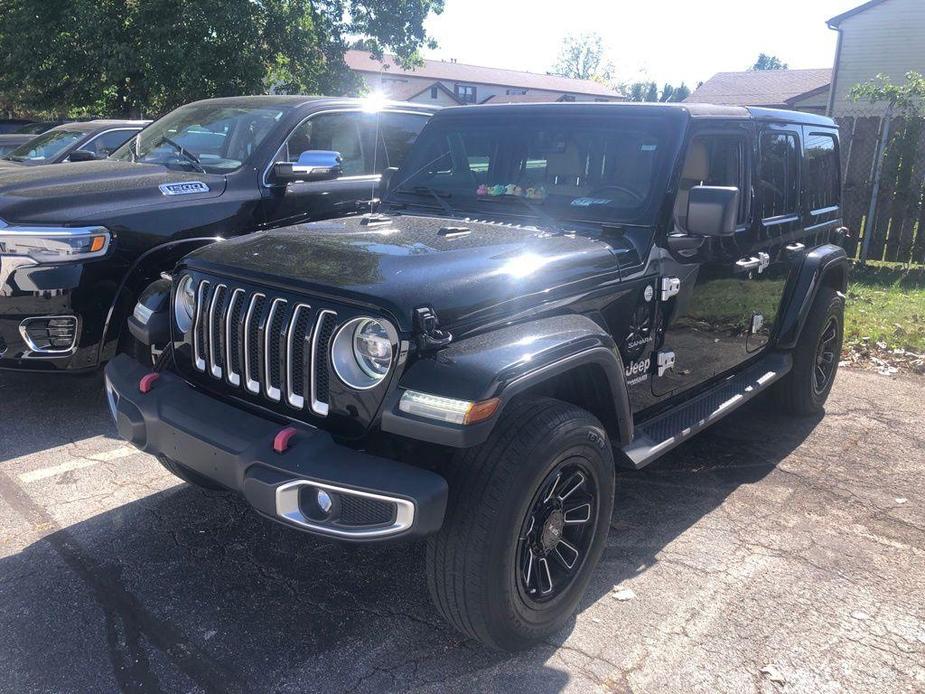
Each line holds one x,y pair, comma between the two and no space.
461,72
760,87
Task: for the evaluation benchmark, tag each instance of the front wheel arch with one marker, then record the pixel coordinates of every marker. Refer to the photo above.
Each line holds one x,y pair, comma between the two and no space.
145,270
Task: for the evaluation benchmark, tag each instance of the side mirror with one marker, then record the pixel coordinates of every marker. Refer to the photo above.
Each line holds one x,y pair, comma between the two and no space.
712,210
313,165
385,180
81,155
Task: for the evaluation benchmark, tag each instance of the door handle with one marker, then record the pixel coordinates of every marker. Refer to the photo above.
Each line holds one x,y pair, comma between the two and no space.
758,262
795,248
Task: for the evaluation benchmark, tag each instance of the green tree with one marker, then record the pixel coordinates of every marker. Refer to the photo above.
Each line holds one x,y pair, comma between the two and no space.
132,57
768,62
907,97
648,91
584,57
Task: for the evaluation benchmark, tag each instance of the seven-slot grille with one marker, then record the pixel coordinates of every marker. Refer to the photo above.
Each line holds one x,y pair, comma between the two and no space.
269,346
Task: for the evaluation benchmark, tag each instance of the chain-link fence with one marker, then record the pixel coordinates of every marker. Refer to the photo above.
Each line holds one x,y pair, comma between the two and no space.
883,175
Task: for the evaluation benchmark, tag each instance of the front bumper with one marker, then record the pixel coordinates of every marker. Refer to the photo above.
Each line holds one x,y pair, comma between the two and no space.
235,448
31,293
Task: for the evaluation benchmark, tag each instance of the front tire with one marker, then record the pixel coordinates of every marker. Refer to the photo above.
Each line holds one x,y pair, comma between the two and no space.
805,389
526,524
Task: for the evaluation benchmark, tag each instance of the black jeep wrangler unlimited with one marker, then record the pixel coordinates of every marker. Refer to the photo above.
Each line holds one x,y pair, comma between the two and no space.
79,241
546,292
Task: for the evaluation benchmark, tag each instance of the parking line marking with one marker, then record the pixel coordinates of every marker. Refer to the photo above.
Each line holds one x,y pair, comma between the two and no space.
77,464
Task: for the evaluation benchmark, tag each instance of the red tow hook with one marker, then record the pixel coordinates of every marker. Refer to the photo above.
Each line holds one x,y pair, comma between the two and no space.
147,382
282,439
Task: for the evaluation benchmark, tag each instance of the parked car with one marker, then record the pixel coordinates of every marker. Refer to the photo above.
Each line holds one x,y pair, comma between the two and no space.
23,134
79,241
79,141
547,290
11,125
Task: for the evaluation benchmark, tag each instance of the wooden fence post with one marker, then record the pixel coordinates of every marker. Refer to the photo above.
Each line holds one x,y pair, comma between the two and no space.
870,226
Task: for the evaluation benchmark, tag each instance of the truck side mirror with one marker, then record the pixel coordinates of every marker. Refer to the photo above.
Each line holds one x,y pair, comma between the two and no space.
313,165
81,155
712,210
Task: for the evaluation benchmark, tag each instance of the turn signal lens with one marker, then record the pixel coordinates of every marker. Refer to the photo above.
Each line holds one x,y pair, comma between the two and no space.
447,410
97,244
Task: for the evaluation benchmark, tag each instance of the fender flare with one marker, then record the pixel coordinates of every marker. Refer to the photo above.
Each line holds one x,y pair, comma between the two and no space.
146,268
503,364
826,265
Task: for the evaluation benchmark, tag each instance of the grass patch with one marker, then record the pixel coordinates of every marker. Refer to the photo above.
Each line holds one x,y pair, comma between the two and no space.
886,304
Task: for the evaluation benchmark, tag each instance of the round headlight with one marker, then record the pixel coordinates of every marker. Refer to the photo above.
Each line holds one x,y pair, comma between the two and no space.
362,352
184,305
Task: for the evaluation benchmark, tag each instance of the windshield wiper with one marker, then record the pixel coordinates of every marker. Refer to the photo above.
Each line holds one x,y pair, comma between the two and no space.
427,190
550,221
189,156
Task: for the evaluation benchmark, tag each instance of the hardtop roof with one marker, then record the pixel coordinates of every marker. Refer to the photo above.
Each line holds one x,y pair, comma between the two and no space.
685,110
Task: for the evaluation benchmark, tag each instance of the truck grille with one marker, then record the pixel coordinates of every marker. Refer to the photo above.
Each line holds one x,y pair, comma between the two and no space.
269,346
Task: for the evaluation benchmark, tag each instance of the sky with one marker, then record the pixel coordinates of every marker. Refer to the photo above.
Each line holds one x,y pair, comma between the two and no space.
661,40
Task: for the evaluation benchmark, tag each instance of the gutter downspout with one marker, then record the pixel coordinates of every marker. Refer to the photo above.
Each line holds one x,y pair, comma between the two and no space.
834,82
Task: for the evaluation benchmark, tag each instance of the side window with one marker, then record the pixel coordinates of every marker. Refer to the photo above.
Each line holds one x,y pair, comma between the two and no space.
337,132
779,174
821,171
397,132
714,160
107,143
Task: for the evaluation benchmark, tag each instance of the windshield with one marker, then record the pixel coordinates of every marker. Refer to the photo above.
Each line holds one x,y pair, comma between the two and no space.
46,146
203,137
550,168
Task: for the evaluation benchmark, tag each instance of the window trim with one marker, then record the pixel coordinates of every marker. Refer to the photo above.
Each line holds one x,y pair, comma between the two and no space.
265,178
797,136
829,207
749,168
105,132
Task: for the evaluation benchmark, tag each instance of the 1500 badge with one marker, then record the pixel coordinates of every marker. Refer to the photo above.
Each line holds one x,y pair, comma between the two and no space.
184,188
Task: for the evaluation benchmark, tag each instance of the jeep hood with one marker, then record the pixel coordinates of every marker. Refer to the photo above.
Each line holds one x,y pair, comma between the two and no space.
469,272
89,191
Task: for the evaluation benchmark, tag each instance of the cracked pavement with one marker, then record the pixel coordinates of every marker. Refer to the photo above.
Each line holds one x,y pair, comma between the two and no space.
765,555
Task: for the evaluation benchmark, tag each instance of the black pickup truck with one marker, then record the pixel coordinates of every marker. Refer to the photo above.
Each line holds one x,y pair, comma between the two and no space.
546,292
79,241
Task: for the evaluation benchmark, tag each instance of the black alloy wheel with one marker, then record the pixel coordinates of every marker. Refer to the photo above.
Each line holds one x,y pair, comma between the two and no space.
826,356
557,532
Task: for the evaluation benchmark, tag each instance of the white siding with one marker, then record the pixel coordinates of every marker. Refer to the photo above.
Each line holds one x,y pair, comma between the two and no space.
887,38
816,103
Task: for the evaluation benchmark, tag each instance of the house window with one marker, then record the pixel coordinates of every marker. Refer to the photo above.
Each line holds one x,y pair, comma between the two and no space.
515,92
466,93
433,92
779,179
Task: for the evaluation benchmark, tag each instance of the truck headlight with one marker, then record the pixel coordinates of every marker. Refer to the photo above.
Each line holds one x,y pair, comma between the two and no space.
184,305
54,245
362,352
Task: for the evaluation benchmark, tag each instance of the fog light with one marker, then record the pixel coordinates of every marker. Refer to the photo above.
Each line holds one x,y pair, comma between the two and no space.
324,501
447,410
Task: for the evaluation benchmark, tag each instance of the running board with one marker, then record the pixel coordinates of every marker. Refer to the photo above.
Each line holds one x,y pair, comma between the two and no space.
659,435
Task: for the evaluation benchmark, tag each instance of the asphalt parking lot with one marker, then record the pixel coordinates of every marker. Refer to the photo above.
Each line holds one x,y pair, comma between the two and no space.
766,555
